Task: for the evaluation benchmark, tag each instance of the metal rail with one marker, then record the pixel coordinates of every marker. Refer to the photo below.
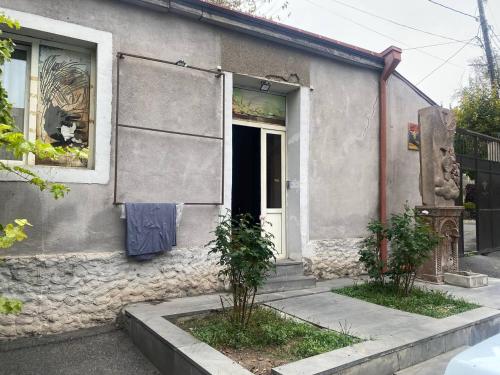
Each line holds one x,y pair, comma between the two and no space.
181,64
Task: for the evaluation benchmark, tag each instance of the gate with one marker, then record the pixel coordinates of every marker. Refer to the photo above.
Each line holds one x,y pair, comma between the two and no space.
479,158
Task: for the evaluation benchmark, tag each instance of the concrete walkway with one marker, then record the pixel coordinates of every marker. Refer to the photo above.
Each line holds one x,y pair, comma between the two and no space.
488,296
487,264
394,339
87,352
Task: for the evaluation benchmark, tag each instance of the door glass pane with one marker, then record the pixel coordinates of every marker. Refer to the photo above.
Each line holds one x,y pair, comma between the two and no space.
14,76
273,164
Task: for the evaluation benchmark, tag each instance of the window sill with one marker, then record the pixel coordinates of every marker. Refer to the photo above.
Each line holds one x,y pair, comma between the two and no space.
64,175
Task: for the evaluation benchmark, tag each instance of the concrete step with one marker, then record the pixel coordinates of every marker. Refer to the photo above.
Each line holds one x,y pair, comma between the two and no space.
284,283
433,366
288,268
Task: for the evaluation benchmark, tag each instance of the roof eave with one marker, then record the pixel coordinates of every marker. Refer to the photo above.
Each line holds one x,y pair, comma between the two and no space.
265,29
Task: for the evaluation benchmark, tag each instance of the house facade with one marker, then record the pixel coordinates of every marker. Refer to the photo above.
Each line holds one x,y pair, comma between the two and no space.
185,102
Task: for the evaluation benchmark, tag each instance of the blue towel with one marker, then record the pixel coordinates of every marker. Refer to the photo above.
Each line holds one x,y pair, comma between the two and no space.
151,229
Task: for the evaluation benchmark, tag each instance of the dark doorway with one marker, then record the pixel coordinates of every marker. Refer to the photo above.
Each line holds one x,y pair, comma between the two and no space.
246,171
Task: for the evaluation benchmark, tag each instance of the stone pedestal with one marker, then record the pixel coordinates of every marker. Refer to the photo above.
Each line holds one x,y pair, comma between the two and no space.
445,222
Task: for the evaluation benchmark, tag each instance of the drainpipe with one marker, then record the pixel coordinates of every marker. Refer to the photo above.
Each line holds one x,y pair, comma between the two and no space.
392,57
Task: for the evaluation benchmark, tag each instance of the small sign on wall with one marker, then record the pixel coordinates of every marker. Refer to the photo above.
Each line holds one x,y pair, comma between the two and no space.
413,137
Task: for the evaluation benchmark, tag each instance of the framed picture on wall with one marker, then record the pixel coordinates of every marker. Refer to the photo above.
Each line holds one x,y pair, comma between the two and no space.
413,137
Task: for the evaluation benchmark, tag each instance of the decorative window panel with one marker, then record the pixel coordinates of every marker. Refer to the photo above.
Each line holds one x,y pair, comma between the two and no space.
63,101
51,91
259,106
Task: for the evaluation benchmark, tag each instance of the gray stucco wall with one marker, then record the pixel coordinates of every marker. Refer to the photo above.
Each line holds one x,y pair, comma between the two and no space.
403,164
84,230
86,220
343,150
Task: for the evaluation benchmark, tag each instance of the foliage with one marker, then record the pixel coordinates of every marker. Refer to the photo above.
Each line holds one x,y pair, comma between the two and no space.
411,241
268,331
246,254
13,141
479,103
10,306
426,302
470,210
249,6
13,233
370,253
479,110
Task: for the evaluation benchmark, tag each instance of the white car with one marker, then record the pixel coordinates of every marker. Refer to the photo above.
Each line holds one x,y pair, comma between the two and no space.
481,359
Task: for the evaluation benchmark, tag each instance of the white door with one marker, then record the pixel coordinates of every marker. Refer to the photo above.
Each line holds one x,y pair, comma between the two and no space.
273,188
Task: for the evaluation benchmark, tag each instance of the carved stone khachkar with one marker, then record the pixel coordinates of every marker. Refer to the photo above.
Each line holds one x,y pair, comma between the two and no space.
439,186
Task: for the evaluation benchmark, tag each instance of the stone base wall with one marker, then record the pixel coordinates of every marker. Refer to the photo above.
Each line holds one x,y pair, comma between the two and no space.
331,259
63,292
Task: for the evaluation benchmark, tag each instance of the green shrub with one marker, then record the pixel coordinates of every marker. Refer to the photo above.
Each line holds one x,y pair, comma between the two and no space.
246,254
470,206
411,242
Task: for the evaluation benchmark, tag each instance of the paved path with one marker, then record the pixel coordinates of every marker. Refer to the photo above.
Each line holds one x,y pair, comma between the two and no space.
470,244
488,296
104,353
362,319
487,264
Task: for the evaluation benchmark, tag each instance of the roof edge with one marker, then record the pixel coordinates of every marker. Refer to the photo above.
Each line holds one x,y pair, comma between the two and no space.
415,88
267,29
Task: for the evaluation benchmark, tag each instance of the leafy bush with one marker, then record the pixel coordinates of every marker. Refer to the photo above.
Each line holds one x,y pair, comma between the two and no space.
470,210
246,254
411,242
469,205
370,253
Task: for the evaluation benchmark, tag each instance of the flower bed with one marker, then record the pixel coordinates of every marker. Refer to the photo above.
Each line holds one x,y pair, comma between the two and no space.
269,340
426,302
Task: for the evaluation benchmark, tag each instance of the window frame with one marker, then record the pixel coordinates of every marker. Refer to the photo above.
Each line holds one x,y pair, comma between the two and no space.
24,160
62,34
32,45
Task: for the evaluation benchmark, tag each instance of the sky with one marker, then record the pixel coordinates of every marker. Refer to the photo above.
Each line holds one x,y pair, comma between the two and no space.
332,18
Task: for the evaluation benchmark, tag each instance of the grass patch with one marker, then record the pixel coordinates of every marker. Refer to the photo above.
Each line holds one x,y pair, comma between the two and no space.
433,303
268,332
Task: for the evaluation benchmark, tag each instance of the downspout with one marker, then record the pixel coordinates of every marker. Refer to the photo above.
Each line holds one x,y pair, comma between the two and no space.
392,57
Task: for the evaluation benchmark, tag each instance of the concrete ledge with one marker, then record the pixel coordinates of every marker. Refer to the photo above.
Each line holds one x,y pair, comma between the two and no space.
404,340
382,357
176,352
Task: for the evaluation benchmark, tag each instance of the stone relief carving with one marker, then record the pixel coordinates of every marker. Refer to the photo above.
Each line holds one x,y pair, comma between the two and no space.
448,177
439,186
440,173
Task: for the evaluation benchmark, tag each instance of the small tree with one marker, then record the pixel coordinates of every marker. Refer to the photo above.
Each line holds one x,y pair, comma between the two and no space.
411,241
13,141
246,254
479,102
370,254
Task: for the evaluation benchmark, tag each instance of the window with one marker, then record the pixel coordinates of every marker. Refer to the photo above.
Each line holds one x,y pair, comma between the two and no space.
51,88
78,98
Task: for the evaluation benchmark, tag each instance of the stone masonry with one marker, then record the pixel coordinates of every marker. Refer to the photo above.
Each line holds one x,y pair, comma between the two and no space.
69,291
63,292
330,259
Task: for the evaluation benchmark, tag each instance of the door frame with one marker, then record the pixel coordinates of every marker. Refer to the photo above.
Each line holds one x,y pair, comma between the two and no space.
280,130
